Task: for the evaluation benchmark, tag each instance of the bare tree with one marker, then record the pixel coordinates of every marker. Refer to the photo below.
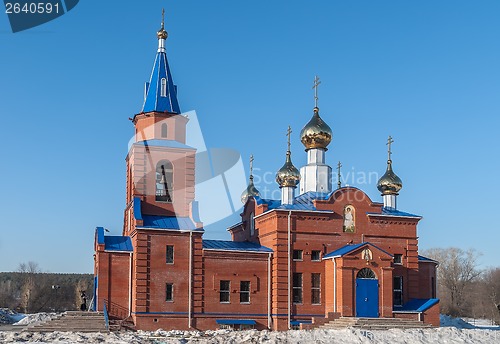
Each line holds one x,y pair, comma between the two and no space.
457,271
29,270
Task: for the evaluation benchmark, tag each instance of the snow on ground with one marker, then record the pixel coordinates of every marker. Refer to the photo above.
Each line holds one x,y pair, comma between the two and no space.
34,318
8,316
345,336
452,331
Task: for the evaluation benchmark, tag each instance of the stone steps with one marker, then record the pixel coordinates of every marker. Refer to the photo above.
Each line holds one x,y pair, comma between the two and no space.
72,321
374,323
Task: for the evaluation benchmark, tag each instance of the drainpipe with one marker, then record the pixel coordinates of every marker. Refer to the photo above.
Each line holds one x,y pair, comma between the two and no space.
269,291
289,269
334,285
190,277
130,287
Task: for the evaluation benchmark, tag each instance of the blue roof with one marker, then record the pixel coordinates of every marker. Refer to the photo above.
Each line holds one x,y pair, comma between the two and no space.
417,305
425,259
349,248
235,322
301,202
168,222
343,250
155,99
118,243
395,213
163,143
235,246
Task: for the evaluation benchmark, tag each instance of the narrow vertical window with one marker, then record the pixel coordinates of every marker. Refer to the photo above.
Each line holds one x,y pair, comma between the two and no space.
398,259
297,287
252,225
164,131
169,292
316,289
224,291
163,91
398,291
170,254
433,288
297,255
245,292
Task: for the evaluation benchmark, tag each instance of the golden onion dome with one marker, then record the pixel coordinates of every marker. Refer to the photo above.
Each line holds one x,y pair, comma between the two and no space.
288,175
250,191
389,183
316,133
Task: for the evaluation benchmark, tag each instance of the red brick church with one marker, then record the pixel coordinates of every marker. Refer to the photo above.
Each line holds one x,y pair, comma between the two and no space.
314,255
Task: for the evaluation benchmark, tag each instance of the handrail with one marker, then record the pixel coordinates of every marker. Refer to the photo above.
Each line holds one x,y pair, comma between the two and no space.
106,318
115,310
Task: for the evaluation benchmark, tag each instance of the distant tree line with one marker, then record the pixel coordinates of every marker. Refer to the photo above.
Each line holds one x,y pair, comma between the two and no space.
28,290
464,289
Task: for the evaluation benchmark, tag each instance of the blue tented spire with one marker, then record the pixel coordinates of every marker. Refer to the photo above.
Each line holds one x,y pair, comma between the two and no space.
160,92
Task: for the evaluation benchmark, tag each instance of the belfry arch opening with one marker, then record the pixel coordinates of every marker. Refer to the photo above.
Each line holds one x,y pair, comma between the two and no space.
164,181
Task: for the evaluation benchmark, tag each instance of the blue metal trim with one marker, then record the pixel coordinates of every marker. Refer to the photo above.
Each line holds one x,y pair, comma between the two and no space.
100,235
235,322
137,209
118,243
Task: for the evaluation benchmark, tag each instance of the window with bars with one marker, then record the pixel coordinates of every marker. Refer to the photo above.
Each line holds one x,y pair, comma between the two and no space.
244,291
398,291
297,287
316,288
224,291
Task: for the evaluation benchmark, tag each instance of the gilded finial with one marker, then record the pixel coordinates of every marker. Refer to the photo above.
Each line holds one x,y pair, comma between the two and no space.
251,166
339,182
288,175
390,141
162,34
288,133
315,87
389,183
251,190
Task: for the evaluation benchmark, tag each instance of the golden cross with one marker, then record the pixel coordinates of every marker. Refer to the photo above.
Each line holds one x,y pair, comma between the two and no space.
288,132
251,164
315,87
339,183
389,142
162,18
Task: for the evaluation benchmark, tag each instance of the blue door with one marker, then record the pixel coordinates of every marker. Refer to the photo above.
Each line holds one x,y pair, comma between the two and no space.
366,298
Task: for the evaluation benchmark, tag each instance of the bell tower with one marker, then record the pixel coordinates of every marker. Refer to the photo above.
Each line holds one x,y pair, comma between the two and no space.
160,166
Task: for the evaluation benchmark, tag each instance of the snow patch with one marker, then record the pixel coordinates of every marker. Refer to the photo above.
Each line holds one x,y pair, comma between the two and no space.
35,318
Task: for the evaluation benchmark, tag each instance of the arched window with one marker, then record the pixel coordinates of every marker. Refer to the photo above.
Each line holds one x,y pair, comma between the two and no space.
164,130
163,90
366,273
164,181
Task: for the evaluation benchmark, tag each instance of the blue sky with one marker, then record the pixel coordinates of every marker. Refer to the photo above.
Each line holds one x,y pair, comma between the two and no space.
425,72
